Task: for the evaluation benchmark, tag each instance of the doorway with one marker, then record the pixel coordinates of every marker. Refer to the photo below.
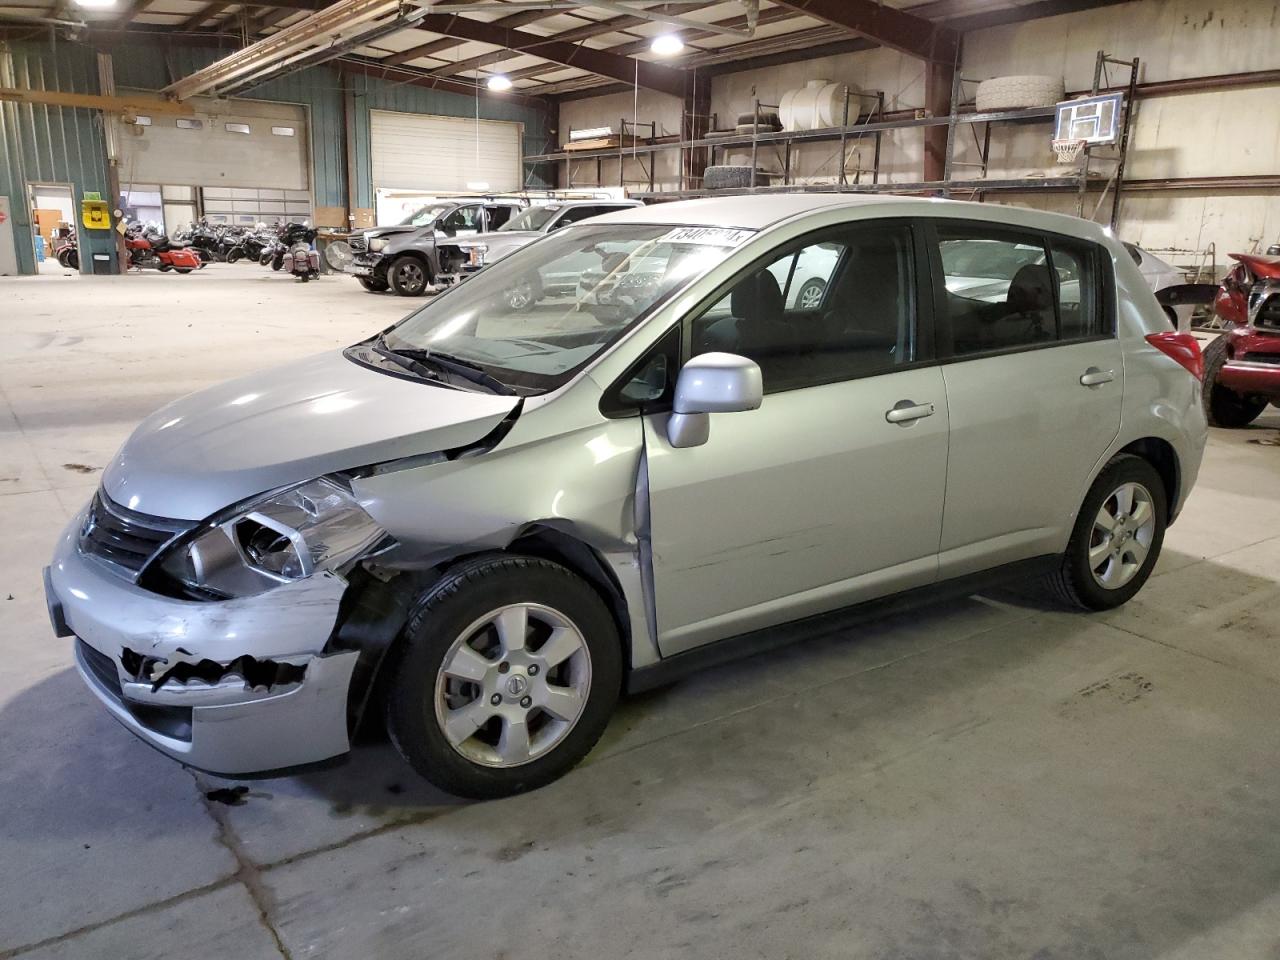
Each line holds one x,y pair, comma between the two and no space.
53,226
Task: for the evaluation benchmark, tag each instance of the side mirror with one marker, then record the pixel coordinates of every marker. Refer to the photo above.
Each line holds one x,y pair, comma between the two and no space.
712,383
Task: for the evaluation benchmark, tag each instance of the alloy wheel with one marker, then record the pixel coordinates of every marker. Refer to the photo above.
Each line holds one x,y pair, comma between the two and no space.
520,296
1122,535
810,297
513,685
411,277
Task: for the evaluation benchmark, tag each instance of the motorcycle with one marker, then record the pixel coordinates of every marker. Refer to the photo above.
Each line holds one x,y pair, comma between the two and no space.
66,249
151,248
295,251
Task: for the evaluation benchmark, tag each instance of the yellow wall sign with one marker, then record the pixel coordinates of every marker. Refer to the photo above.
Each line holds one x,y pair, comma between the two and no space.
95,214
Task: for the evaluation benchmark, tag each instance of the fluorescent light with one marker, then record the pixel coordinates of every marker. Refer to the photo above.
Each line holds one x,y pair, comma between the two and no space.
667,45
499,82
478,186
590,133
96,4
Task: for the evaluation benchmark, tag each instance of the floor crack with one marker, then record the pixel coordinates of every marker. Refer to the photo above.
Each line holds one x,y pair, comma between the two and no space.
247,872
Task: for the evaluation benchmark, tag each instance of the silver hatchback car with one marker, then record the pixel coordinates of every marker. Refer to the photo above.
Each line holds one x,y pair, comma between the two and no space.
485,523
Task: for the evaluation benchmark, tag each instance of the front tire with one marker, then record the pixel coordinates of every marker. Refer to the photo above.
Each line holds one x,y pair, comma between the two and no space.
373,285
810,295
1224,407
505,677
408,276
1117,537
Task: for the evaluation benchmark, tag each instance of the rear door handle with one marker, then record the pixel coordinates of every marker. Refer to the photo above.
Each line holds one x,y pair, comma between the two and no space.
1093,377
905,411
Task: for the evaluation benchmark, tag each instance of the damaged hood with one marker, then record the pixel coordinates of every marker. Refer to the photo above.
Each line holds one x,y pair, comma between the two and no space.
217,447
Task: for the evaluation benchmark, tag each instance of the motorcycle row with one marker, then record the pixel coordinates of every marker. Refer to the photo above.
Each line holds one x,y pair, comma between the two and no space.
289,247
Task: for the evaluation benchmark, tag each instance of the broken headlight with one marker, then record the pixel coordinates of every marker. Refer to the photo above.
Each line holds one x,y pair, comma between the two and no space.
285,536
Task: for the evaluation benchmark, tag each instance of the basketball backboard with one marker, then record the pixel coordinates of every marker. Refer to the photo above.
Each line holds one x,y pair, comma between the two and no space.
1092,119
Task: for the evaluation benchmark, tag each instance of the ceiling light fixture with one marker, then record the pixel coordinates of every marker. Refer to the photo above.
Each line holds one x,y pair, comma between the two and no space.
499,82
96,4
667,45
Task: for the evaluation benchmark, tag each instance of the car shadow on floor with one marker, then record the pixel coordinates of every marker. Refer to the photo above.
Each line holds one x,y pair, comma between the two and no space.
373,781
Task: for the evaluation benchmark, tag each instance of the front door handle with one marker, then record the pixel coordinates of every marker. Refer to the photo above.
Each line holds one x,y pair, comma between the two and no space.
905,411
1094,377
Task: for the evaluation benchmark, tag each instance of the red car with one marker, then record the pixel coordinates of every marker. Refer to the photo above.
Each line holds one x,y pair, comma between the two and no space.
1242,367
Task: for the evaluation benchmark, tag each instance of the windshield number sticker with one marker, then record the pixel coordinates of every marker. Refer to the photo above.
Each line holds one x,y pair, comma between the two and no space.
711,236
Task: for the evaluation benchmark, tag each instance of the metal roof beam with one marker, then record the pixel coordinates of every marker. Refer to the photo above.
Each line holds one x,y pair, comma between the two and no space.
896,29
648,75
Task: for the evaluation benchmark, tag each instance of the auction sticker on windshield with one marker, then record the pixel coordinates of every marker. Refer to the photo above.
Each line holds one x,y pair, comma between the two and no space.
711,236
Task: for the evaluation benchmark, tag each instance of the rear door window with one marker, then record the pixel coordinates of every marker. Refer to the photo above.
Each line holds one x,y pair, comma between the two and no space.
1007,290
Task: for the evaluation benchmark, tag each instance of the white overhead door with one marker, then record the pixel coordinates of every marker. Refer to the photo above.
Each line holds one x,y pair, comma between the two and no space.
413,151
229,143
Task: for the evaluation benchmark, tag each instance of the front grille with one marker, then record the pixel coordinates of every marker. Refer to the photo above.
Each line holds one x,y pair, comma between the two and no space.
358,244
101,666
168,721
123,538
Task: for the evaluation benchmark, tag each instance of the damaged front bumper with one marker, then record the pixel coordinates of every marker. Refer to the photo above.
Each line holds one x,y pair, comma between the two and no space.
231,687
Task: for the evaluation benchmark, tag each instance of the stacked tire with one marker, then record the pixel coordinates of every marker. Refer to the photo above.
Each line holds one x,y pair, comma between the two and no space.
1019,92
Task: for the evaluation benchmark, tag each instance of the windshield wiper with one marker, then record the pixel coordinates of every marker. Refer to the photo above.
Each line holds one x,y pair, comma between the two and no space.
461,368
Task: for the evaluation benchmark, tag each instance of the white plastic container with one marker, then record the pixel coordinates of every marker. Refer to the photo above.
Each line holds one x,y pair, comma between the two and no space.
818,104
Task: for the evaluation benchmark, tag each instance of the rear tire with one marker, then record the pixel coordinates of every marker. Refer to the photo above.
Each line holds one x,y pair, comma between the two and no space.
164,267
1224,407
73,260
1101,549
498,744
184,269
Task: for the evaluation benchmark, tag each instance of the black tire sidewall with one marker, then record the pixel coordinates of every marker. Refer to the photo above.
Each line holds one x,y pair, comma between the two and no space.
1123,469
465,594
1224,407
401,289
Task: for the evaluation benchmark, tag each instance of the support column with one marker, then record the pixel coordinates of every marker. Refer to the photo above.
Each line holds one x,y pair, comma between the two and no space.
88,243
938,81
695,122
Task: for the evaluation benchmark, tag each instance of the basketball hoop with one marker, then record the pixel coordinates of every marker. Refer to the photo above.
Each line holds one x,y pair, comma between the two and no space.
1068,151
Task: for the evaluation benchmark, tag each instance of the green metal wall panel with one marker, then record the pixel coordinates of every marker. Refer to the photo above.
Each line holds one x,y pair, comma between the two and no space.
43,144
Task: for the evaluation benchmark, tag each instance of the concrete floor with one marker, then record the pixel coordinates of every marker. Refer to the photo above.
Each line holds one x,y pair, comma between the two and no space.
985,778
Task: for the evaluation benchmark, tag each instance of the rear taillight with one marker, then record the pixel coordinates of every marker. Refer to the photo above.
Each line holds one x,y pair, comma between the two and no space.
1182,347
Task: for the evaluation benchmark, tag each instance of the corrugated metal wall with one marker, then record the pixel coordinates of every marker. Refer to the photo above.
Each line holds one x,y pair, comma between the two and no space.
65,145
49,144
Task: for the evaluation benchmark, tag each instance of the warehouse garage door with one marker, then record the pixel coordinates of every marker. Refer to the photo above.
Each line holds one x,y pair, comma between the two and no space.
236,143
235,161
412,151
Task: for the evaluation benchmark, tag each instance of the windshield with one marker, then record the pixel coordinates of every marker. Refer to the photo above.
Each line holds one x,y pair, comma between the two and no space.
424,215
534,318
535,218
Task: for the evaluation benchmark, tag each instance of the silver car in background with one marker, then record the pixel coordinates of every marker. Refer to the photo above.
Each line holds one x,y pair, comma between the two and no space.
485,524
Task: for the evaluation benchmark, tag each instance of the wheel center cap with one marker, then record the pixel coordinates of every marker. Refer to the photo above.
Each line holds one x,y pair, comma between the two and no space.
517,685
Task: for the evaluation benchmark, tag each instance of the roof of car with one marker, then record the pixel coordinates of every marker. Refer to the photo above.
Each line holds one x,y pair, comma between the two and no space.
594,201
745,212
758,211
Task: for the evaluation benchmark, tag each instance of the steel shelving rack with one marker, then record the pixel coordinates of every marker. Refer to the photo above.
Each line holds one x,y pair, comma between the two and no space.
874,123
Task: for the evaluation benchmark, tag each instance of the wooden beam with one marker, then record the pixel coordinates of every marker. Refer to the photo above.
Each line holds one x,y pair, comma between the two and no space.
896,29
648,75
126,105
